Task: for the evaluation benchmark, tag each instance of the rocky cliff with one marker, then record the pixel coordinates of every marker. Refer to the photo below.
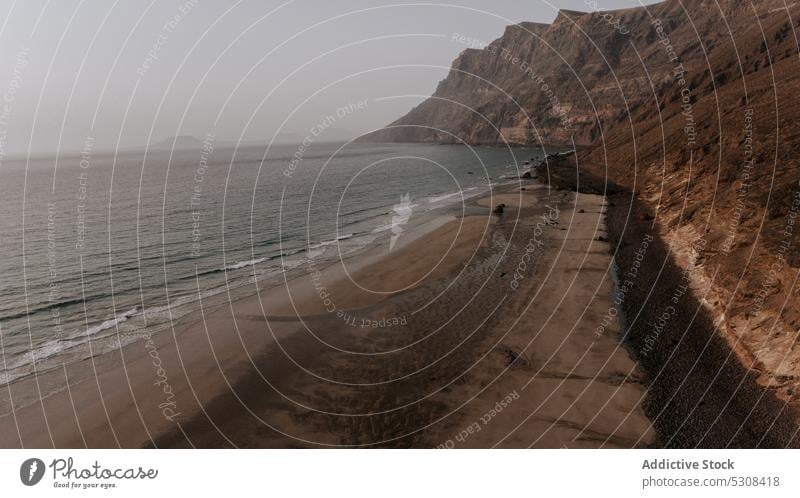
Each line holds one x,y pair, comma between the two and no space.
586,73
693,107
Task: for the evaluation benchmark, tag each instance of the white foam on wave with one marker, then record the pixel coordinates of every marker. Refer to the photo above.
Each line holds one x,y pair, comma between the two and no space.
325,243
431,200
316,250
122,317
37,359
462,193
23,364
91,341
244,264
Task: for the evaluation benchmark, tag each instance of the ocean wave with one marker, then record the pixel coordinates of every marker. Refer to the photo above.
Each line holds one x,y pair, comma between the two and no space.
439,198
122,317
329,242
153,318
243,264
383,228
36,359
52,306
316,250
25,363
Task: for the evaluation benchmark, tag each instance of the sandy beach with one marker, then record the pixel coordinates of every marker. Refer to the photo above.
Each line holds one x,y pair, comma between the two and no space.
479,330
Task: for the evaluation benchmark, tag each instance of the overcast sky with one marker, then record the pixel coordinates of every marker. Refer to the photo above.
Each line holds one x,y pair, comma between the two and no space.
131,72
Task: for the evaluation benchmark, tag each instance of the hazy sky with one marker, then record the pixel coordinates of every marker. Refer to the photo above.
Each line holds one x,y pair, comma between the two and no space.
129,72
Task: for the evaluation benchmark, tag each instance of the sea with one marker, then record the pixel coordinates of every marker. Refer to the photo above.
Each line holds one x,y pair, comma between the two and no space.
100,249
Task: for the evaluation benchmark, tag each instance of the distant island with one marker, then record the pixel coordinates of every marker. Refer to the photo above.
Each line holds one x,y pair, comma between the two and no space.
178,142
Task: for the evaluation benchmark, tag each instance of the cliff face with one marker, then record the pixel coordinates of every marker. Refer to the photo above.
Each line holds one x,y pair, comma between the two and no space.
695,107
715,153
583,74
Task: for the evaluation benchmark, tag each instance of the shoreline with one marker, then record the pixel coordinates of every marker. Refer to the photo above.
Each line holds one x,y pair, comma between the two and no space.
133,338
418,346
157,389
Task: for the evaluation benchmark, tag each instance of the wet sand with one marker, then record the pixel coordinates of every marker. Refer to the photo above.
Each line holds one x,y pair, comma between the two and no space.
408,348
